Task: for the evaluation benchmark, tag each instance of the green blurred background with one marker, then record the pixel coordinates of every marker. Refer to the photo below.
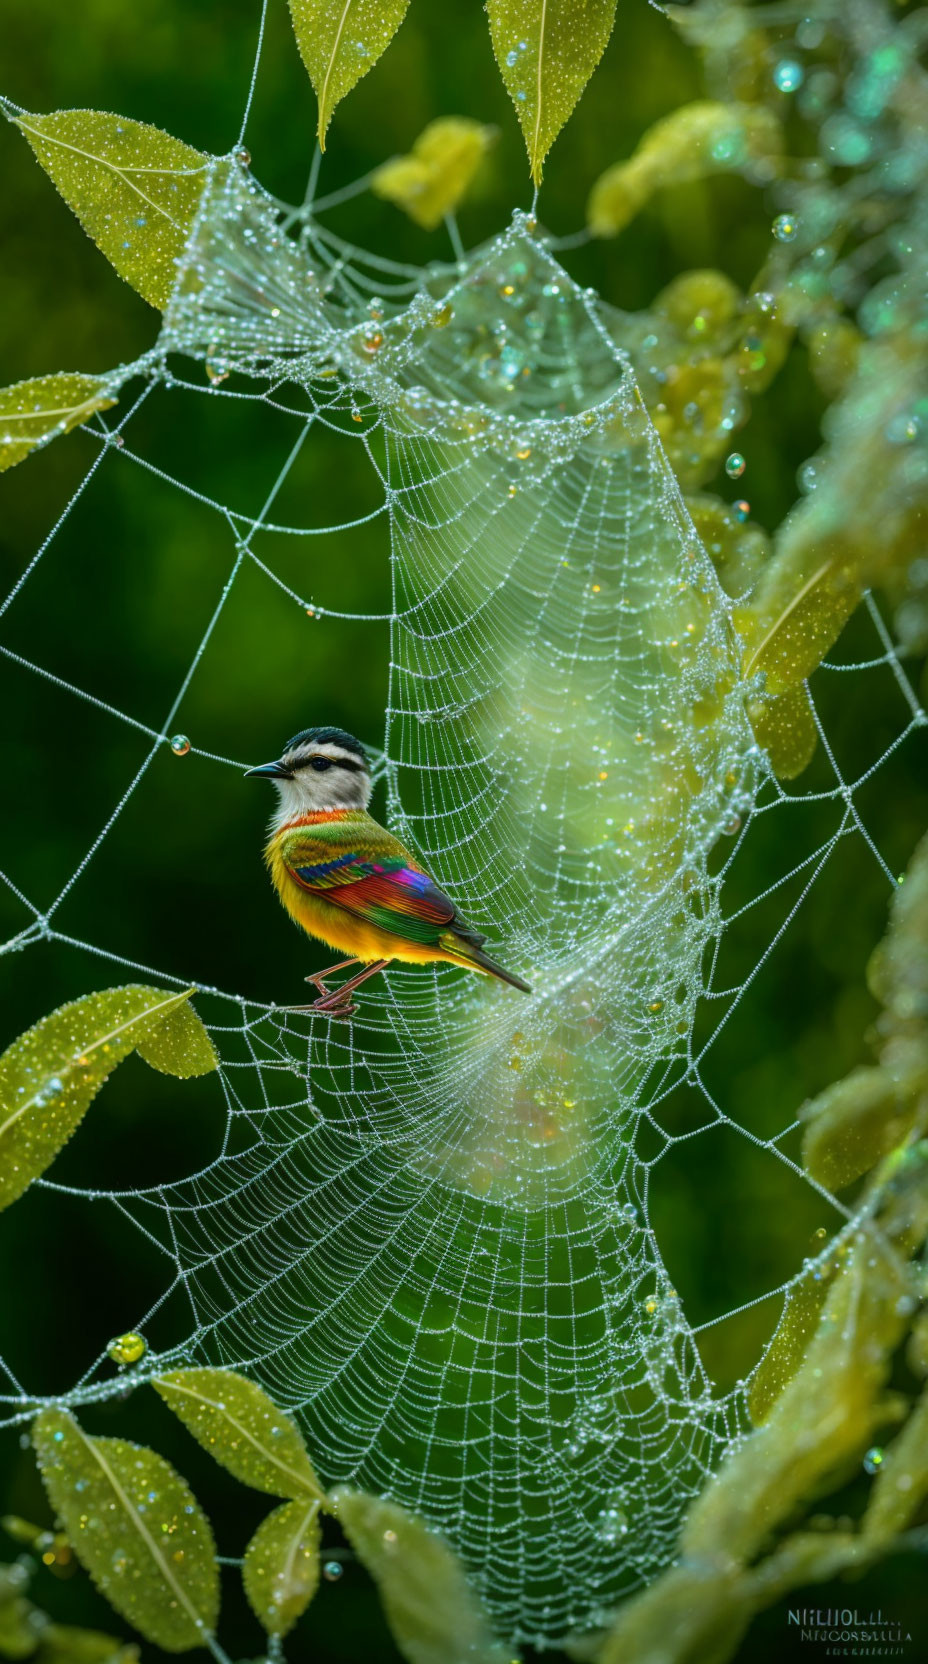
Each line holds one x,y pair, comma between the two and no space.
125,591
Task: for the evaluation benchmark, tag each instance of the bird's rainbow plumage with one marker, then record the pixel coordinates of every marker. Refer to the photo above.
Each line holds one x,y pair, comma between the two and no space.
349,882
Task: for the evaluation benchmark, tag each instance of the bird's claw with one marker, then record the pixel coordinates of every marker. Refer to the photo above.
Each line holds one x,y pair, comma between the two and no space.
332,1006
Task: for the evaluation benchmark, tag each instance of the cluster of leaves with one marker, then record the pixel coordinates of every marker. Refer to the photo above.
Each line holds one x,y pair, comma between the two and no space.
27,1632
823,1391
141,1534
126,1513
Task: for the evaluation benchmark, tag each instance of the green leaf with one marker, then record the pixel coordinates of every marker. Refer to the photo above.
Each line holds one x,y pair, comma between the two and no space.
134,189
339,41
784,725
281,1566
50,1075
34,412
802,1310
179,1045
136,1527
853,1125
430,182
547,50
236,1421
63,1644
901,1483
17,1615
695,140
796,618
434,1615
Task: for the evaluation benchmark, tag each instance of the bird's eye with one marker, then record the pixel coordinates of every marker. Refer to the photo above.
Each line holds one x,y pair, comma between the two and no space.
320,763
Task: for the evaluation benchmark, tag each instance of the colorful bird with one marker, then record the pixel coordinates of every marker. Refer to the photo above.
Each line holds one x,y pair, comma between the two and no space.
348,881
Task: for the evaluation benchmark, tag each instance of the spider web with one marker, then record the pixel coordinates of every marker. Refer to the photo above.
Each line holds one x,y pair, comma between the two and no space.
427,1231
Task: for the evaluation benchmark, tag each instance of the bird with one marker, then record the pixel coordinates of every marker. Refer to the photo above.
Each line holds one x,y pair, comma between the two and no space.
349,882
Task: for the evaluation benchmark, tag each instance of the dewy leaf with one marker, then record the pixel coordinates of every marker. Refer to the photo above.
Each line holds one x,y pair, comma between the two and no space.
901,1483
693,141
339,41
547,50
784,725
34,412
802,1309
790,627
236,1421
134,189
179,1045
852,1125
63,1644
430,182
434,1615
134,1524
50,1075
281,1566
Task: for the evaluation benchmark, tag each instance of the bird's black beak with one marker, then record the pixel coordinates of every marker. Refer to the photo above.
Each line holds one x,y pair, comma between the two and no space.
269,771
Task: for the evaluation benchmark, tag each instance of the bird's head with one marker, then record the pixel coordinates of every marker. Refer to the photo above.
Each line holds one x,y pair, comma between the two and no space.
321,768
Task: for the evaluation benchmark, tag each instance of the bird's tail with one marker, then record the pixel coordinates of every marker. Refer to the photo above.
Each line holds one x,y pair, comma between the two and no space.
466,953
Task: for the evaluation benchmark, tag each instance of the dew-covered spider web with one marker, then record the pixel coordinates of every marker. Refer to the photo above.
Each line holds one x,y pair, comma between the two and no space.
427,1231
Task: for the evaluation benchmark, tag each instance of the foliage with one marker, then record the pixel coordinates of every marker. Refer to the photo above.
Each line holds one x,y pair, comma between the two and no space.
841,284
50,1075
821,1395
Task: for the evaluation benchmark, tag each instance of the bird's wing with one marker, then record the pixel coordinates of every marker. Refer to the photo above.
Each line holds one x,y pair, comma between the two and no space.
384,890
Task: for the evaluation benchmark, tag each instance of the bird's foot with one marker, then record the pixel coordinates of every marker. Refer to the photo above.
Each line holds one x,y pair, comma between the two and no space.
336,1006
327,1007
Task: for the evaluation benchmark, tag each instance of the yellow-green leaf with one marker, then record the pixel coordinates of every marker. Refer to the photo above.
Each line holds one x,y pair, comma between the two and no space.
281,1565
339,41
693,141
136,1527
235,1420
34,412
852,1125
179,1045
784,725
430,182
547,50
17,1615
901,1483
134,189
797,617
434,1615
50,1075
63,1644
799,1320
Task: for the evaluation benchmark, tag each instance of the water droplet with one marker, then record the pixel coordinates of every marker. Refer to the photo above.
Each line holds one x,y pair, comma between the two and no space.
786,228
735,465
732,826
127,1348
442,317
244,156
390,1541
808,475
373,341
180,745
873,1460
512,58
332,1570
119,1564
612,1523
788,75
742,509
903,429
